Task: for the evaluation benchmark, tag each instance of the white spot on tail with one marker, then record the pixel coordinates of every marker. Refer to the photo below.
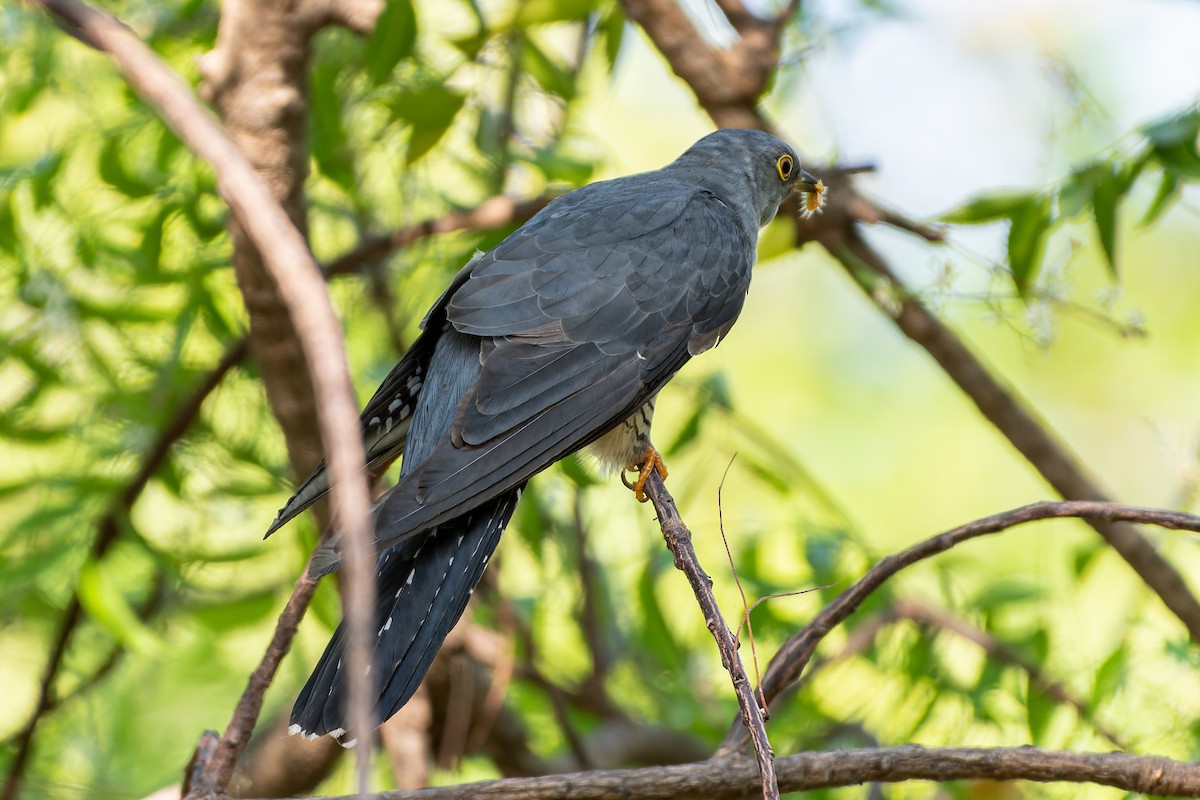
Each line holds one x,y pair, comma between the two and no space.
294,729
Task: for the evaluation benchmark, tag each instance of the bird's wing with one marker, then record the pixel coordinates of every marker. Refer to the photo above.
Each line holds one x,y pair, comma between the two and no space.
385,423
584,314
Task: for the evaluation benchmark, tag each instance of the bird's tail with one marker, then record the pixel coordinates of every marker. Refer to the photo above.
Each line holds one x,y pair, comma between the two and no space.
422,585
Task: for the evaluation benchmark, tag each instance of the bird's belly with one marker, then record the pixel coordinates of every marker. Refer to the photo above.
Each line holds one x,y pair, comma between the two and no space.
624,445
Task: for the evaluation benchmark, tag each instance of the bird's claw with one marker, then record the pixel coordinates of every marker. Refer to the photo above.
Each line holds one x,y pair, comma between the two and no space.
652,461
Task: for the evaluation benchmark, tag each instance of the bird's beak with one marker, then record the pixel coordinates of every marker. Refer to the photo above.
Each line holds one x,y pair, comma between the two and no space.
814,193
808,182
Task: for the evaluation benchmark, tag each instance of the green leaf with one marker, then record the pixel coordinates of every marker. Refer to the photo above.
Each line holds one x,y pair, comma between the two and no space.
823,554
114,172
572,466
1168,193
430,110
1174,130
1007,593
558,167
42,176
1180,157
1027,239
105,604
1107,190
1110,676
541,12
987,208
688,433
229,615
1075,193
555,78
8,223
657,637
149,253
612,25
330,148
394,38
1039,710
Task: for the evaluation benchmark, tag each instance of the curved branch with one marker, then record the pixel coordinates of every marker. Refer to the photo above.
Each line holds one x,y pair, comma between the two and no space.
1028,435
787,664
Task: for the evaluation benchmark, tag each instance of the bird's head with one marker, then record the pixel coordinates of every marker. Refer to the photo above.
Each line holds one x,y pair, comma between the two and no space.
753,171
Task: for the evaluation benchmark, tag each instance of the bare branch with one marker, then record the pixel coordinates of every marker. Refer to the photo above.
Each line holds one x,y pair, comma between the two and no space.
498,211
726,779
796,652
725,85
679,541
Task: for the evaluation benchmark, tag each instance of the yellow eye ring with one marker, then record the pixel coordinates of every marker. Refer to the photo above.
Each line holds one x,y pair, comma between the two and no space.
784,166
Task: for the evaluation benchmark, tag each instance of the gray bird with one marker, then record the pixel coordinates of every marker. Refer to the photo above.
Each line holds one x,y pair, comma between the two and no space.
559,338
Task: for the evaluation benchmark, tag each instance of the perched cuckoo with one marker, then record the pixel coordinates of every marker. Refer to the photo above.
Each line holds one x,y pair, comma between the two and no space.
557,339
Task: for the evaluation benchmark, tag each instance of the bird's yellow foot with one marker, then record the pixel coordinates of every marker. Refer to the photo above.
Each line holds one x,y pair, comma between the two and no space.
652,461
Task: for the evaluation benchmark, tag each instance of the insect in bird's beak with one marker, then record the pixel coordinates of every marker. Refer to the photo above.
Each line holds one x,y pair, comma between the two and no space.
813,189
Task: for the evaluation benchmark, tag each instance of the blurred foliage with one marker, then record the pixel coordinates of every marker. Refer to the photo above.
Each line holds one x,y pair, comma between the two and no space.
118,301
1096,189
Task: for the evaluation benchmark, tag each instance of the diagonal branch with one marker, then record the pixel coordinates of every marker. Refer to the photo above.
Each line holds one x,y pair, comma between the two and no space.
794,655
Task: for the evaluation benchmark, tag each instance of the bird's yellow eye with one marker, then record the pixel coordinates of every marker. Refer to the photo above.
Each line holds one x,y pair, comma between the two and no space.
784,166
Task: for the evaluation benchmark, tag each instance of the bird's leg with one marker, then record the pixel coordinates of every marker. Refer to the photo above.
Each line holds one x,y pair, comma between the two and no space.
652,461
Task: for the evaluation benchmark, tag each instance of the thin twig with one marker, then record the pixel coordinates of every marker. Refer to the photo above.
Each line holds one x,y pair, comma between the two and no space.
795,653
679,541
737,581
726,779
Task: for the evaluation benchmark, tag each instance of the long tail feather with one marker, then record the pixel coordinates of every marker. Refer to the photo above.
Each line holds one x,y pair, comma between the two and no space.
423,587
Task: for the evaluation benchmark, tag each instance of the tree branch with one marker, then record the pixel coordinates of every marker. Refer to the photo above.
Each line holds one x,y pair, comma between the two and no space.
787,664
679,541
726,779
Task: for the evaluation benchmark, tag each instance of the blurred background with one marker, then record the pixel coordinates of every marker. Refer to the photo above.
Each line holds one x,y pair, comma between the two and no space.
831,439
